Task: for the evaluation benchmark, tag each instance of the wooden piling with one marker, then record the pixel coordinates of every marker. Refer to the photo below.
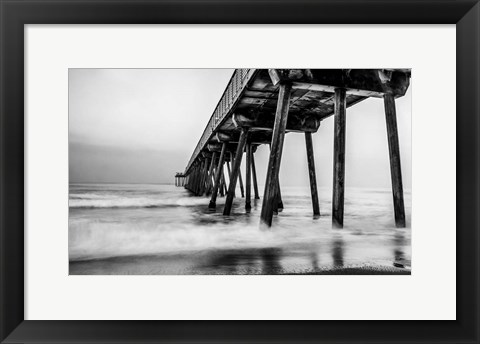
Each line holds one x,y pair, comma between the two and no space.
218,174
254,176
225,185
339,158
228,169
190,179
199,178
210,171
222,184
395,166
279,195
278,136
235,171
229,173
204,179
278,203
240,181
248,176
312,174
194,179
214,173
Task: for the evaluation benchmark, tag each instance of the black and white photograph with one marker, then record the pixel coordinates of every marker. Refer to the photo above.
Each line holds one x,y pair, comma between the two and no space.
240,171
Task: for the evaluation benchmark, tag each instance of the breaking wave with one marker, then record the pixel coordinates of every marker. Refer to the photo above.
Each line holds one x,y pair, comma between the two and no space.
181,223
139,202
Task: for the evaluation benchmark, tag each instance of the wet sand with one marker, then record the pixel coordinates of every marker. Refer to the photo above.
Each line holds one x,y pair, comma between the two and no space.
264,261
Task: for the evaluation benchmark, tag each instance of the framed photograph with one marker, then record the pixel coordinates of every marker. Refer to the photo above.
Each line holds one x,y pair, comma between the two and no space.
306,170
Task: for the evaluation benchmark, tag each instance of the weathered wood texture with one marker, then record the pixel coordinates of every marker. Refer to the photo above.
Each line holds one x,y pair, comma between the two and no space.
254,176
264,120
363,82
274,161
395,167
248,176
235,171
339,158
312,173
218,175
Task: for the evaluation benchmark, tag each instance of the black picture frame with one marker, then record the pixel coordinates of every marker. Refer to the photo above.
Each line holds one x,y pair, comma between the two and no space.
17,13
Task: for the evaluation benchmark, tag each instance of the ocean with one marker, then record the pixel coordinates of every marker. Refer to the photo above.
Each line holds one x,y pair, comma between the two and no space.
144,229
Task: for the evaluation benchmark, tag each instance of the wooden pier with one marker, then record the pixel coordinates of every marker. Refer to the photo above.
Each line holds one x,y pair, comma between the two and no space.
260,106
179,179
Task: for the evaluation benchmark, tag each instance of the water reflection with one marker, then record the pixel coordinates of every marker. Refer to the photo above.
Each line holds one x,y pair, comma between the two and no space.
338,251
271,260
399,244
253,261
314,260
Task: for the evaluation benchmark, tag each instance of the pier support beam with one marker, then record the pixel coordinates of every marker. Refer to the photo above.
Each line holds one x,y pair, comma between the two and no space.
224,183
221,189
279,196
190,179
254,176
240,181
339,158
278,203
218,175
229,173
312,174
248,176
278,135
235,171
210,171
395,167
197,178
200,177
194,178
204,180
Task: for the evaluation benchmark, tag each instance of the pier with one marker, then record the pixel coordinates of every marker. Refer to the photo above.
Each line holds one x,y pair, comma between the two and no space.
259,106
179,179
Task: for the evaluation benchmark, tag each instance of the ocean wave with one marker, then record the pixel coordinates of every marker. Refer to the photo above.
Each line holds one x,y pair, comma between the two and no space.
369,225
89,240
122,202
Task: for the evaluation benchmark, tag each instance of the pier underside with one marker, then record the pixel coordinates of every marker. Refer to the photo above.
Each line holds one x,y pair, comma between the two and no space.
261,106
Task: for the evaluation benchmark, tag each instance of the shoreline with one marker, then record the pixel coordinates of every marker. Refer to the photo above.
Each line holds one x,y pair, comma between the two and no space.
270,261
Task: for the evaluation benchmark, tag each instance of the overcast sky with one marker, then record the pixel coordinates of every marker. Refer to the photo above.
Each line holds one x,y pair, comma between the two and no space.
142,125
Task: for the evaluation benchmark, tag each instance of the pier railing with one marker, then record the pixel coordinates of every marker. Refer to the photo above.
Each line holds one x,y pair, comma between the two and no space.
234,89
